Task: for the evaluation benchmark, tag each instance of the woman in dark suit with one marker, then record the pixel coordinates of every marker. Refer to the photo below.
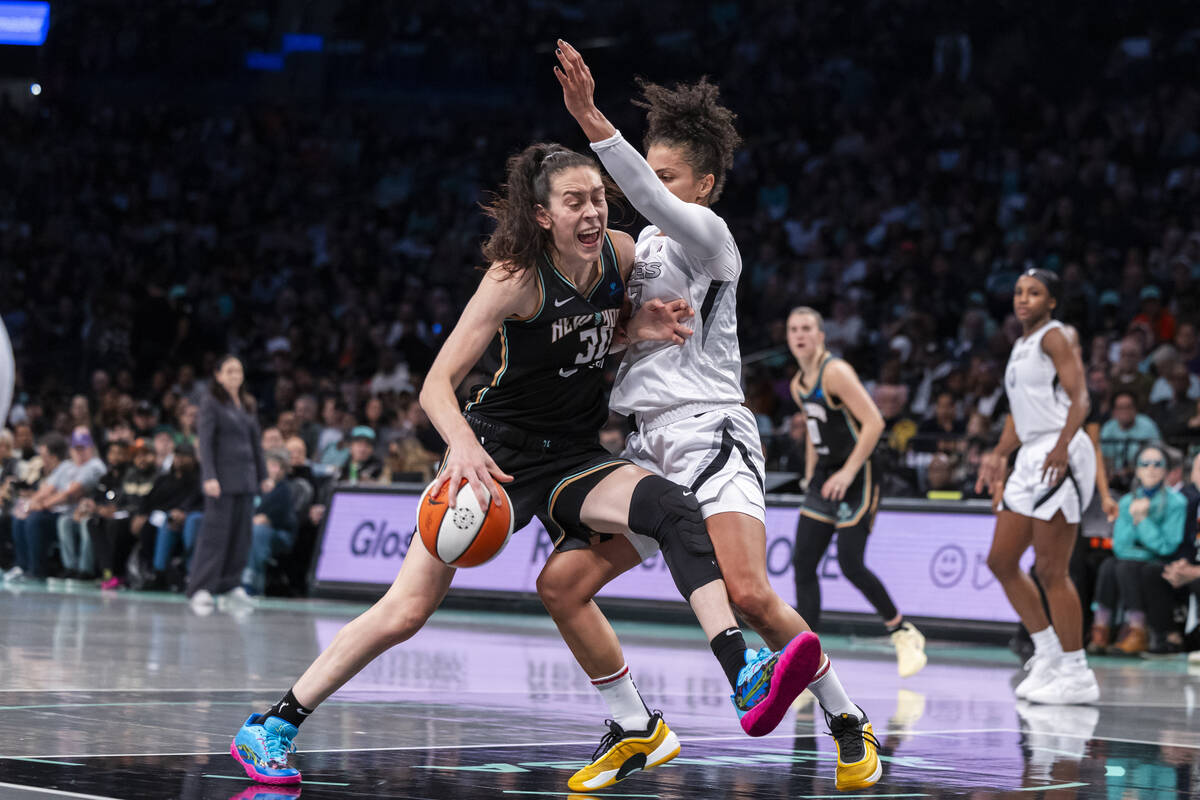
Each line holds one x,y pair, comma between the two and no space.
231,465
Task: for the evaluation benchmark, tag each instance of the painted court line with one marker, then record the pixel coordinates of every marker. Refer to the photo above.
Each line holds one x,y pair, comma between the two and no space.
48,761
576,794
1074,785
56,792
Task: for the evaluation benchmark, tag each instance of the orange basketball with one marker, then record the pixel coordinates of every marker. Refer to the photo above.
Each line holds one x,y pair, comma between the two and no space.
466,535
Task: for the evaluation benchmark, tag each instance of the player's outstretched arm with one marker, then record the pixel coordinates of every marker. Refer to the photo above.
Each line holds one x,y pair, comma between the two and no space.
498,297
701,232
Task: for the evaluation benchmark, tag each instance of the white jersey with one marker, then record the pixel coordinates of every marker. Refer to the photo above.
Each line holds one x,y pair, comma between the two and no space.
687,252
7,374
1037,400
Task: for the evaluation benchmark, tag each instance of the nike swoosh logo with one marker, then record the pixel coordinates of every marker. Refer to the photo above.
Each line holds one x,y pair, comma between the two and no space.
433,502
566,373
557,304
732,633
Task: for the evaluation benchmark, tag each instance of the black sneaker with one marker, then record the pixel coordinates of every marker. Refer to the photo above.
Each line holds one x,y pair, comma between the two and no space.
858,763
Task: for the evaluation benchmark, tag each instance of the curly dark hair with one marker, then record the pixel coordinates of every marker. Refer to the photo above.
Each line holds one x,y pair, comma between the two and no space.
518,240
691,116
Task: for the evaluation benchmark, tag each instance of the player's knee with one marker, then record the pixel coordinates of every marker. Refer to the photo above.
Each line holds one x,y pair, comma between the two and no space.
1050,575
397,621
668,513
558,592
1002,566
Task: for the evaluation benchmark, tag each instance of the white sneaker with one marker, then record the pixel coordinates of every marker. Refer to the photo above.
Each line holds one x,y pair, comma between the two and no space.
1041,672
13,575
202,602
1077,687
236,599
910,650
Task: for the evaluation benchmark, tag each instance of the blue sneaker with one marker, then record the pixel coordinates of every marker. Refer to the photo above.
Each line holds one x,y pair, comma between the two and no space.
770,681
262,748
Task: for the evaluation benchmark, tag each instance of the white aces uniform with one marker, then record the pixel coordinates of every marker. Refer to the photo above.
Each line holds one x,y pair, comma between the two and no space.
1039,407
692,426
7,374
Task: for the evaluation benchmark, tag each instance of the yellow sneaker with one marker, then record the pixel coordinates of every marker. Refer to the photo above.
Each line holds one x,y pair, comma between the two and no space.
623,753
910,650
858,763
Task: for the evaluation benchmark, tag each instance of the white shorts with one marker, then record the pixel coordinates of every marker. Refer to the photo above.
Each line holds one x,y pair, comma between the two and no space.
1029,495
717,454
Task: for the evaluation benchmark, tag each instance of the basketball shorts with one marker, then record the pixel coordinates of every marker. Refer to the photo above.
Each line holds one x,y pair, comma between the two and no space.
716,454
858,504
1029,494
551,478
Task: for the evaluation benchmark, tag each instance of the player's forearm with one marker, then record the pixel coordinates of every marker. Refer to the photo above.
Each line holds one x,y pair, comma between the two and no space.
868,438
1075,418
441,406
1008,439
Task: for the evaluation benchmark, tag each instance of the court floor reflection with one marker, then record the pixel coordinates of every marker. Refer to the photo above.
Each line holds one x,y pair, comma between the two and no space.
131,696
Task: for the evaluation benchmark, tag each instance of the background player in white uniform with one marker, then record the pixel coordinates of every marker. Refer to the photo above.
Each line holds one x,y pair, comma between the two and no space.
687,400
1044,497
7,374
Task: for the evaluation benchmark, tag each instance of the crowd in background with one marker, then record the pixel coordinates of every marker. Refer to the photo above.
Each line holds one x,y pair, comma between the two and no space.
923,159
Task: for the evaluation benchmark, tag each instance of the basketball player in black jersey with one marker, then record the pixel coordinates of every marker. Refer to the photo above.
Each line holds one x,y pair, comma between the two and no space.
548,307
842,495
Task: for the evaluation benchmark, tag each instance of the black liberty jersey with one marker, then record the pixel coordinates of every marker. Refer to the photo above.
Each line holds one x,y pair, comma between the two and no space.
549,367
831,426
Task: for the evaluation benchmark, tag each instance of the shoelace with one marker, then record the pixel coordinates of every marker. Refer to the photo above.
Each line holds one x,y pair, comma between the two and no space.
850,738
616,733
278,748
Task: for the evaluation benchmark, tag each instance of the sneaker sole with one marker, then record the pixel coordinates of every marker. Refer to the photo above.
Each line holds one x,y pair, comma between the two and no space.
660,755
258,777
871,781
911,670
797,665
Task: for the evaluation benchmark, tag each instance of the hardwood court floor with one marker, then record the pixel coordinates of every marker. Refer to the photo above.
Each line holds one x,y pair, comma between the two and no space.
133,696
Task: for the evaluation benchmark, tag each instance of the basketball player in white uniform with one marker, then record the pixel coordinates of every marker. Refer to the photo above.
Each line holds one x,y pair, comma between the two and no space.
1044,497
692,426
7,374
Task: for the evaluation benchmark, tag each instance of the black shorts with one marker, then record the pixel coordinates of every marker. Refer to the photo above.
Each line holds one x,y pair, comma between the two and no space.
551,477
859,503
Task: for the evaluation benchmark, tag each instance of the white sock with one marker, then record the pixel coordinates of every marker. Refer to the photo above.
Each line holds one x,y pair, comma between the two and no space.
1074,661
624,703
828,690
1045,643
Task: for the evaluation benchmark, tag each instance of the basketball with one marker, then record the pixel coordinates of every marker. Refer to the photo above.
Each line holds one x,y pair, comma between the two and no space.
464,536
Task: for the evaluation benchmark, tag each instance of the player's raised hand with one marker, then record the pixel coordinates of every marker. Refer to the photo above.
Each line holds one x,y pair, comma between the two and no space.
658,321
576,79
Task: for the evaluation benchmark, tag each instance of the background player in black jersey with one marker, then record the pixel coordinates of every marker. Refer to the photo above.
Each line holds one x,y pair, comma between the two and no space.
844,426
548,306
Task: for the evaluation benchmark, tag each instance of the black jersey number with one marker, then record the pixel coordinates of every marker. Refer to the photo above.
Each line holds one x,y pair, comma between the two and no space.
596,342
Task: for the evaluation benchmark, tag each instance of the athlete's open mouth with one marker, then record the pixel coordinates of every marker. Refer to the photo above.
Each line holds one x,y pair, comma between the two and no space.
589,238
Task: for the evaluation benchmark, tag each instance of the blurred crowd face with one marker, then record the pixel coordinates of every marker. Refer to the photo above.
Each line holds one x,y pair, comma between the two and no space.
361,450
306,409
143,459
6,449
330,415
944,411
297,451
1124,411
1130,354
797,428
1151,467
80,410
164,446
1195,474
187,415
941,473
272,439
288,425
118,454
184,462
23,438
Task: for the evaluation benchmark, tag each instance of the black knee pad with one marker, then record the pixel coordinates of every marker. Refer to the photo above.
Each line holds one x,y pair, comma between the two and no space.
670,515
